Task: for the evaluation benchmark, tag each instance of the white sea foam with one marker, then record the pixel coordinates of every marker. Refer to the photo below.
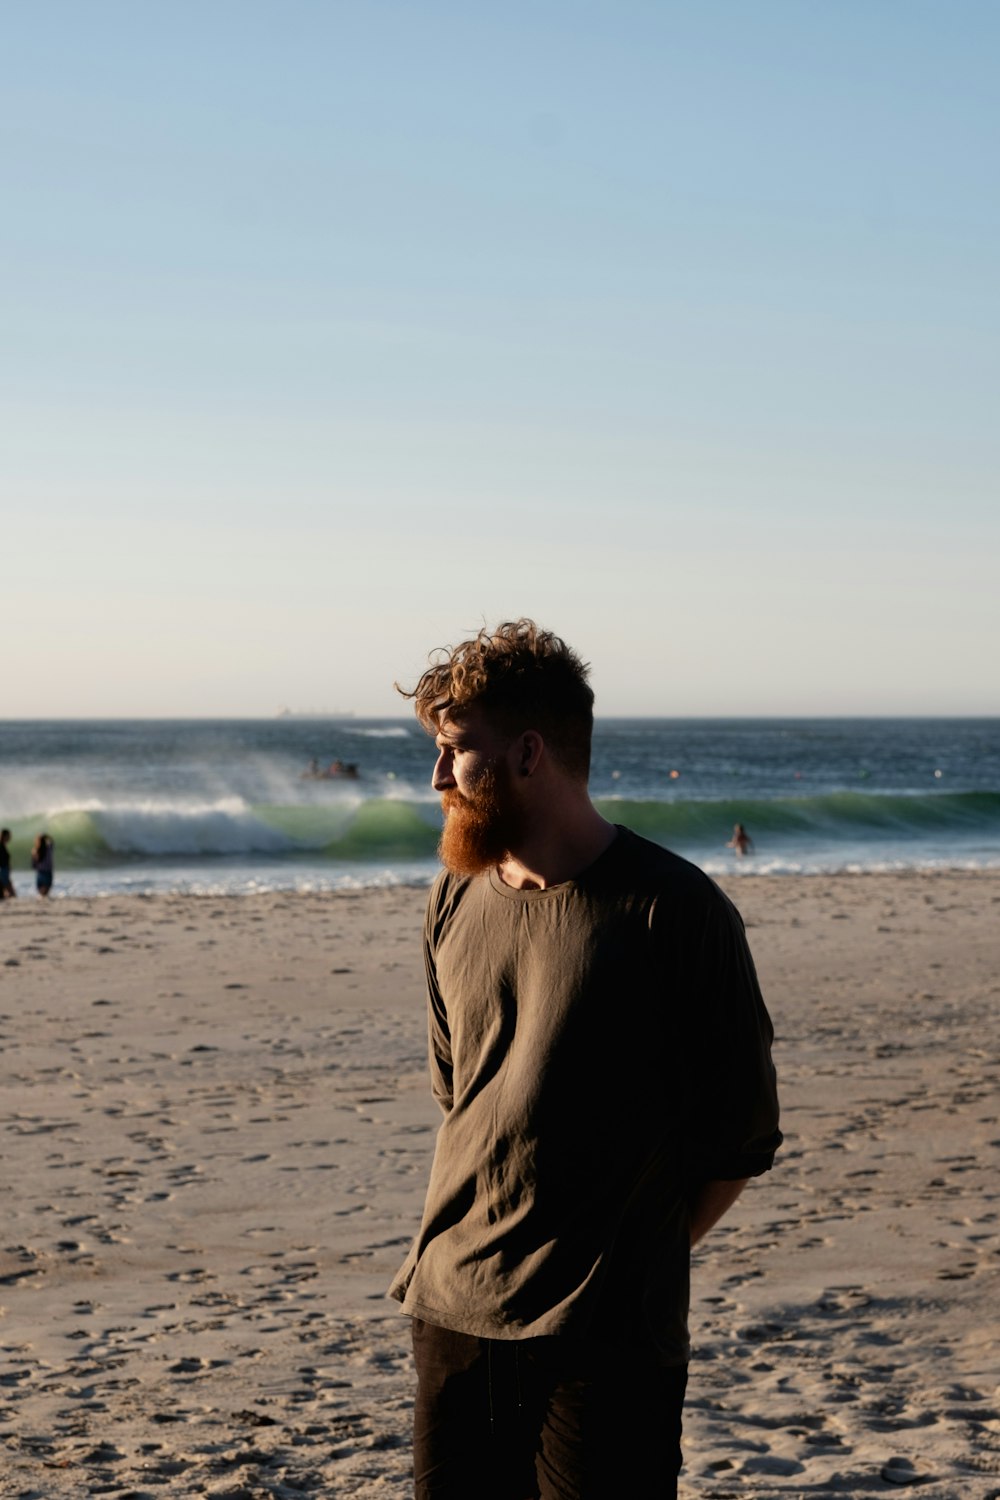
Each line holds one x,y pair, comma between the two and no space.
237,879
395,732
218,828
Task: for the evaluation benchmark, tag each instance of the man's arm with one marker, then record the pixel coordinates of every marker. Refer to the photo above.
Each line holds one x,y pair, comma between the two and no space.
710,1202
730,1119
439,1035
439,1041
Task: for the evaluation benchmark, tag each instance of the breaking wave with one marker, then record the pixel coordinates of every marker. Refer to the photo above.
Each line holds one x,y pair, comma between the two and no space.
362,829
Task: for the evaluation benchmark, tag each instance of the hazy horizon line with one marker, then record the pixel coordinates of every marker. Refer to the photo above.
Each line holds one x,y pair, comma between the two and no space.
346,718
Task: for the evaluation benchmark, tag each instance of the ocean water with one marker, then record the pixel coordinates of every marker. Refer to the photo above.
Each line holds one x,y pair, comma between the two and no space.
222,806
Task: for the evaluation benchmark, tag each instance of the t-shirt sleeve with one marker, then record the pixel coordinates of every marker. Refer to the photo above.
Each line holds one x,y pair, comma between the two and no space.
438,1032
729,1114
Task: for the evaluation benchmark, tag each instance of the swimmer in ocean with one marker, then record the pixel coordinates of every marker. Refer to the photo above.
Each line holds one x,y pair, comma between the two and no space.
741,842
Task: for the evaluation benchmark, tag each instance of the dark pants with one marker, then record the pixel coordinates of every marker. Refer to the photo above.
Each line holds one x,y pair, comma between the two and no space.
542,1419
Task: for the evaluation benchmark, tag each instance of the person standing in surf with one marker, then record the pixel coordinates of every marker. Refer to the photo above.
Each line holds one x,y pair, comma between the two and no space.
42,853
7,891
741,843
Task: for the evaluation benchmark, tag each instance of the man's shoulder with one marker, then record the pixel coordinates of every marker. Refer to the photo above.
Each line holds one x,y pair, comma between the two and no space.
647,865
446,896
446,885
670,888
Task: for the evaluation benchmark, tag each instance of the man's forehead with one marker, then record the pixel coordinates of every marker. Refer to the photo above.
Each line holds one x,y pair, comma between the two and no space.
460,723
451,724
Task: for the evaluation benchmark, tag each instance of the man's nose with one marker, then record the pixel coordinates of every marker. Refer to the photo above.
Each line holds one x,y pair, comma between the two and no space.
443,777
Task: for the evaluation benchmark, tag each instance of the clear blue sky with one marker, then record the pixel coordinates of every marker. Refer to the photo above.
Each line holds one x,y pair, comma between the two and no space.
331,330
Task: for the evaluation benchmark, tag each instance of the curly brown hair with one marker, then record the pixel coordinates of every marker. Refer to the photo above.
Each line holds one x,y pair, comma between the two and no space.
522,677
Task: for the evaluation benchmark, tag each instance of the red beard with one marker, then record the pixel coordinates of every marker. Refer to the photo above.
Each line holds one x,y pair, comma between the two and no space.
478,831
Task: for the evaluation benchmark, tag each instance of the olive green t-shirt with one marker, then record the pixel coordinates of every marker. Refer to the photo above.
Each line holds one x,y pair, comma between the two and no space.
599,1049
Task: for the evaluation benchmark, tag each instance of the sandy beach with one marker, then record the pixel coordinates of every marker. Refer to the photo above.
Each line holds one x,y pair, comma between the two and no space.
216,1134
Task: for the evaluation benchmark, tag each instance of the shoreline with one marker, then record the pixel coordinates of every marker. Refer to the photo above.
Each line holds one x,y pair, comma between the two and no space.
242,885
217,1130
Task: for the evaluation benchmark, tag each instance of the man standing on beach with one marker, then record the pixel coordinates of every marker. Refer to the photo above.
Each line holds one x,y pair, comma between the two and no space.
601,1052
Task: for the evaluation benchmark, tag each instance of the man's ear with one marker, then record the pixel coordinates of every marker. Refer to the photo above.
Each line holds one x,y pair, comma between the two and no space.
530,751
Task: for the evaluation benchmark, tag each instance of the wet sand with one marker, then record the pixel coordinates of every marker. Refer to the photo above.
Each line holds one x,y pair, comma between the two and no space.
216,1133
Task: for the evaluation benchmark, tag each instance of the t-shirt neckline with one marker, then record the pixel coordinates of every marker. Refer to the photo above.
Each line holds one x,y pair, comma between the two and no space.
533,893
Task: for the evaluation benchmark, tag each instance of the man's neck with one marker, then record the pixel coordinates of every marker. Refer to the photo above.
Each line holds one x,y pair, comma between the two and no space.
558,850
